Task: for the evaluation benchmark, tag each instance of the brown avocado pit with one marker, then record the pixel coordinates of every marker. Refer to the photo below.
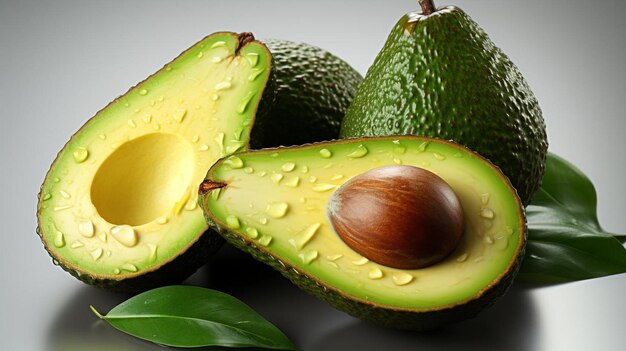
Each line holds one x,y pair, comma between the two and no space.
398,216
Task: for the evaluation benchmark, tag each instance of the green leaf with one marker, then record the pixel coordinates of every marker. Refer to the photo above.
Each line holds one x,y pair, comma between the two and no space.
565,240
187,316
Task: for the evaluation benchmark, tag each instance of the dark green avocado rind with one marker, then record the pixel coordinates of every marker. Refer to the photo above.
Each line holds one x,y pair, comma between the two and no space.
312,90
441,76
403,319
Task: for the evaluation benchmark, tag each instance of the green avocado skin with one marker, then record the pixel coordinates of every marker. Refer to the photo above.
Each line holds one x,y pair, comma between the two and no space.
441,76
310,90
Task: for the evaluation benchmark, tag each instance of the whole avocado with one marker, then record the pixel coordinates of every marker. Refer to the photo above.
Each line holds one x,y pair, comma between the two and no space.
439,75
312,90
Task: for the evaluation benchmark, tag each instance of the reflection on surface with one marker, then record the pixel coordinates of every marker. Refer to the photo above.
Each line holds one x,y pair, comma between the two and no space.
313,325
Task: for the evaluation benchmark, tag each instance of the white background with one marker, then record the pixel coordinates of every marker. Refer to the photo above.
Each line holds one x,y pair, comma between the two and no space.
61,61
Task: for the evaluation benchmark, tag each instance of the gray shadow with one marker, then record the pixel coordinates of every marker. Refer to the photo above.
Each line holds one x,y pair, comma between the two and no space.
307,321
511,324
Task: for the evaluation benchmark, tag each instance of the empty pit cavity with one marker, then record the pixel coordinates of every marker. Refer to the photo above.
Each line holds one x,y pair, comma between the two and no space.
143,179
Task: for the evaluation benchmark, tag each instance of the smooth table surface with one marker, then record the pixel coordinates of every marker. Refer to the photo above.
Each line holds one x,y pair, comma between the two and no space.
62,61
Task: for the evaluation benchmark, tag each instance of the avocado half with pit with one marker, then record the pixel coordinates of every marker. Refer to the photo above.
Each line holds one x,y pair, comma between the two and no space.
118,207
348,221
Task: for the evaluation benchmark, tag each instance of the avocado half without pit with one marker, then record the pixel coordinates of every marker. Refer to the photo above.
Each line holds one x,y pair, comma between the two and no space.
406,232
118,207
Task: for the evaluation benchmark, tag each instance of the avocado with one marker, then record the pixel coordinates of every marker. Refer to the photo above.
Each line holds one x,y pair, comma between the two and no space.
279,205
118,207
313,91
440,75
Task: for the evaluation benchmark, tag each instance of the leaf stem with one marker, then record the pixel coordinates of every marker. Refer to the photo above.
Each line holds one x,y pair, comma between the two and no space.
93,309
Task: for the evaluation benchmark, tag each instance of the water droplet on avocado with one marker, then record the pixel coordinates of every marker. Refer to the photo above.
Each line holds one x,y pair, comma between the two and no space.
265,240
56,179
80,154
132,123
77,244
312,179
305,236
203,147
143,92
46,197
293,182
402,278
276,177
253,59
234,162
398,148
255,74
234,146
96,253
439,156
116,271
423,146
322,187
218,44
200,54
337,177
263,220
288,167
103,237
488,239
462,258
361,261
334,257
191,205
59,239
305,169
129,267
86,229
252,232
277,209
62,207
484,198
245,101
233,222
358,152
325,153
124,234
65,194
375,273
179,115
487,213
248,170
223,85
161,220
397,161
216,59
309,256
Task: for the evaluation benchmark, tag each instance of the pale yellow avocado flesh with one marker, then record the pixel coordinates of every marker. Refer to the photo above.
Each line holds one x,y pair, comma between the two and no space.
278,199
121,197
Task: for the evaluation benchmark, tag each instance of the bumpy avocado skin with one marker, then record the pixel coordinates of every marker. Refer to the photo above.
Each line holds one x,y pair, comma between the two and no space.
441,76
311,91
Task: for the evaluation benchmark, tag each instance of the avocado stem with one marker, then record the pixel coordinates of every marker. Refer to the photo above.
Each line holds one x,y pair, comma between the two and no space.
208,185
244,38
428,7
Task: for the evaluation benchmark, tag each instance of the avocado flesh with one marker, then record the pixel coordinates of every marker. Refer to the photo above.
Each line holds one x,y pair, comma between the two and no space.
274,206
119,201
440,75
